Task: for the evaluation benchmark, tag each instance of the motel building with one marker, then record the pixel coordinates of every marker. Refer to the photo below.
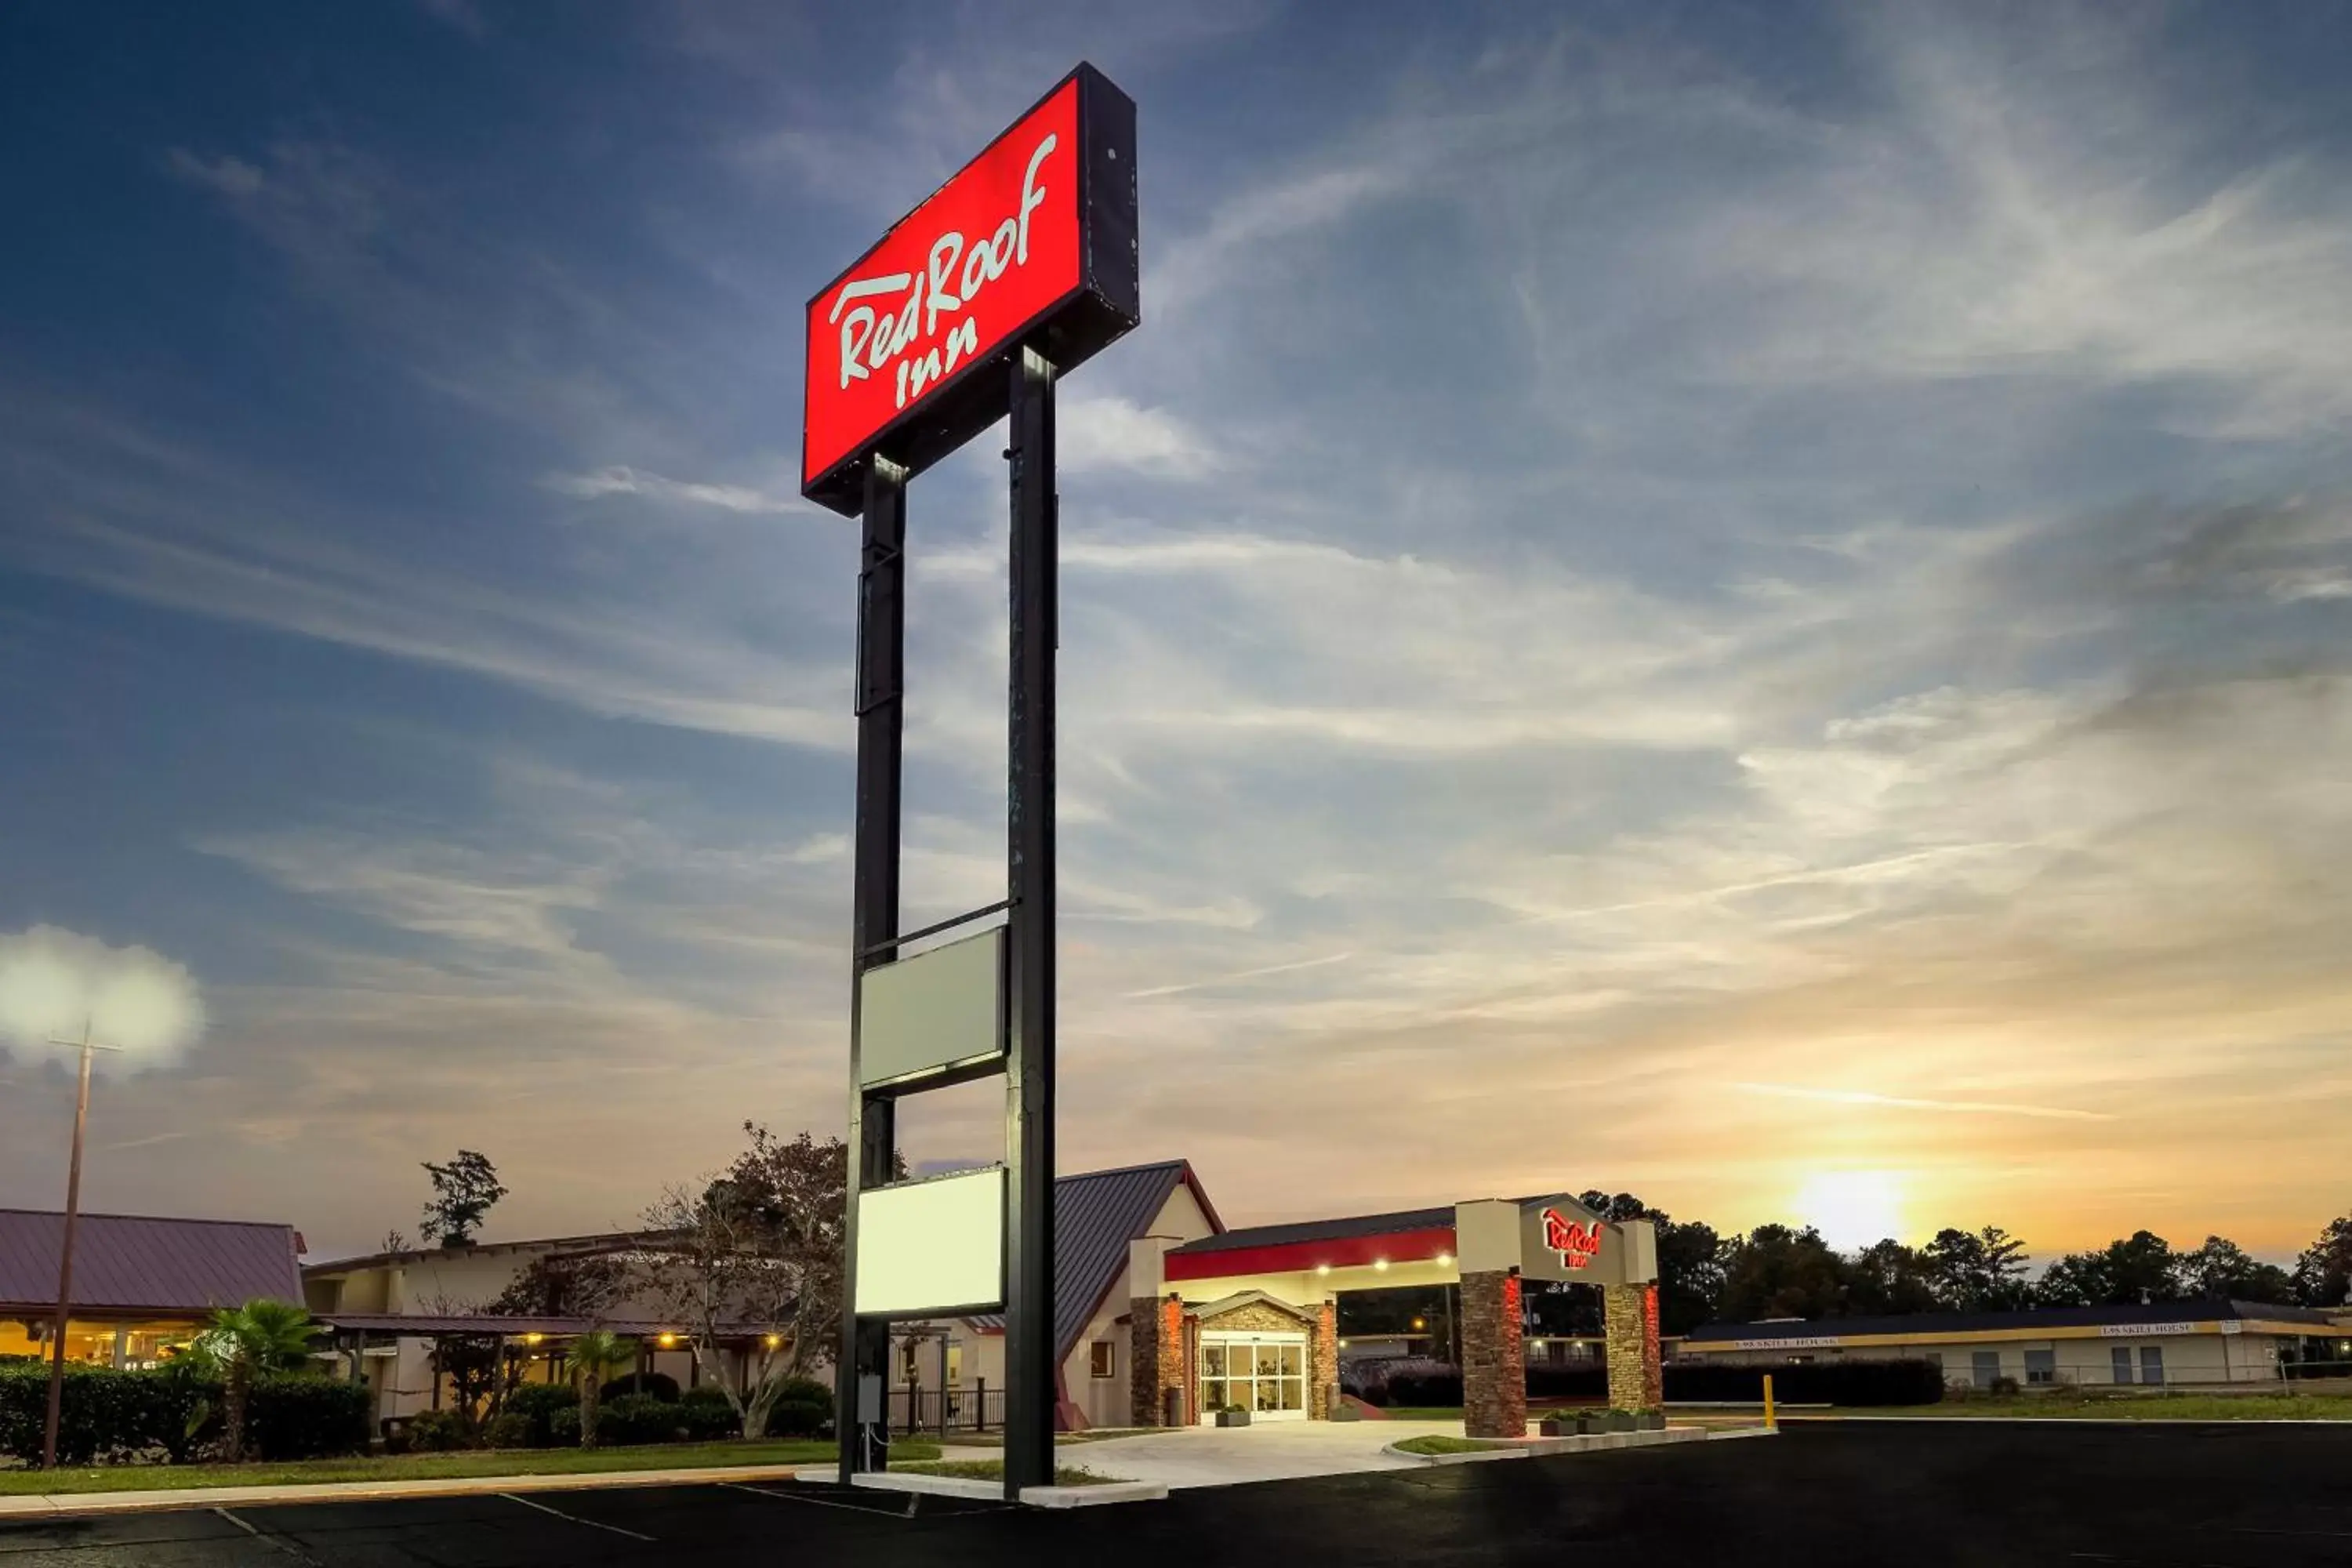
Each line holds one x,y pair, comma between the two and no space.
2168,1345
1163,1316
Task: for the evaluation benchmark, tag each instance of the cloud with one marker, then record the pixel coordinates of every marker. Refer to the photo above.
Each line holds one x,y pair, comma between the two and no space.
54,983
621,480
1898,1102
1101,433
231,178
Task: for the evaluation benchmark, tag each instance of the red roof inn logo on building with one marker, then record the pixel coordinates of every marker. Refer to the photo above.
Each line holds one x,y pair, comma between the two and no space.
1578,1245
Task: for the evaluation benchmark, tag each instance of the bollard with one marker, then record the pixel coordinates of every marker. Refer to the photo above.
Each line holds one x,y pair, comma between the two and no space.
1771,1425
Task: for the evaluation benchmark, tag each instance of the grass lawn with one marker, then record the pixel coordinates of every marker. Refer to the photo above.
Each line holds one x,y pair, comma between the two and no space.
1433,1443
431,1466
2138,1408
993,1470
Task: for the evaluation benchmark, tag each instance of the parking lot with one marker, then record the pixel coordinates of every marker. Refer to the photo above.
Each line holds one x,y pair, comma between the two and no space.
2238,1496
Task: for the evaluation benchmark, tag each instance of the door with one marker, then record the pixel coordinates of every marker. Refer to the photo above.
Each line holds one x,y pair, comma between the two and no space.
1265,1374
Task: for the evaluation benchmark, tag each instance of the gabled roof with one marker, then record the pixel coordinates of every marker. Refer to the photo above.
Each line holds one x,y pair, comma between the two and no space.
1096,1215
1958,1323
130,1263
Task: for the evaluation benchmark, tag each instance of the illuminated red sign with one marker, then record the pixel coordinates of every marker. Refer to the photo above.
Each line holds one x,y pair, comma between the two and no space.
1578,1245
1032,243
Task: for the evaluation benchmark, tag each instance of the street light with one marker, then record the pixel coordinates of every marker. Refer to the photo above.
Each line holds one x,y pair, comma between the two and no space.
88,1048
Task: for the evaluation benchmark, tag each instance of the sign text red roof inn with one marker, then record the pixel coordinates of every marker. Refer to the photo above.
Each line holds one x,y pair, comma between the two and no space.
1033,242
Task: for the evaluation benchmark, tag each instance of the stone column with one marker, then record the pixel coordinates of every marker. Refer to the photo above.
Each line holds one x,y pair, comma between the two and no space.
1323,1363
1494,1361
1636,1380
1156,1336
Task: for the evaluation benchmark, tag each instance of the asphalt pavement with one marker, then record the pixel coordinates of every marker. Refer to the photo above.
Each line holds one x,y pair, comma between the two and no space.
2225,1496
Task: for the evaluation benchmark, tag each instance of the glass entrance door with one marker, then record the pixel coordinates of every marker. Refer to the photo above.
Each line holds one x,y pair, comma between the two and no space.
1265,1374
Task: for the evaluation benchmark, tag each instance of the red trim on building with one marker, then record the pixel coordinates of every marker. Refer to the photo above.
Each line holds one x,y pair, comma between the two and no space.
1300,1256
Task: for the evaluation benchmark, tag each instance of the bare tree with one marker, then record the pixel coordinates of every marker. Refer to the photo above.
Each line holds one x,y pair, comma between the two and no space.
756,1255
715,1271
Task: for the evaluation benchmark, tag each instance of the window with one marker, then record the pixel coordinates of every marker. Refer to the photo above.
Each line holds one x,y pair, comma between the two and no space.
1984,1367
1102,1358
2151,1363
955,1364
2041,1367
2121,1356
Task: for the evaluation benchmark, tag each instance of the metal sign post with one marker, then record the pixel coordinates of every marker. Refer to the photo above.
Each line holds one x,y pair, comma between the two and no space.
1029,1068
873,923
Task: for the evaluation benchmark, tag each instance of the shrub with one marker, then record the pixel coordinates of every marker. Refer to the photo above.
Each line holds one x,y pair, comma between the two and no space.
804,1408
638,1418
439,1431
295,1415
507,1429
1853,1383
564,1428
657,1385
110,1415
1421,1381
538,1403
706,1414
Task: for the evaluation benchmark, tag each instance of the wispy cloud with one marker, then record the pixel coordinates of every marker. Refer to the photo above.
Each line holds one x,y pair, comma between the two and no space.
1899,1102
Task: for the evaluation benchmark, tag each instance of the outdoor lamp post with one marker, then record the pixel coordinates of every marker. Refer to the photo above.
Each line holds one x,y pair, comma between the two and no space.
88,1047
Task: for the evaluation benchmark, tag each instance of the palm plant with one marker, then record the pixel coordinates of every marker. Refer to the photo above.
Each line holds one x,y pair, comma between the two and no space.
245,1341
595,1355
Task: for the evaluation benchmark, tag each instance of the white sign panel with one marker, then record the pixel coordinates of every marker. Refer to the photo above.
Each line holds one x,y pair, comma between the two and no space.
931,1013
933,1247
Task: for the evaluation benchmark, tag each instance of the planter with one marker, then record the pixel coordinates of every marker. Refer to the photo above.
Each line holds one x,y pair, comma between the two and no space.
1559,1426
1233,1418
1650,1420
1617,1421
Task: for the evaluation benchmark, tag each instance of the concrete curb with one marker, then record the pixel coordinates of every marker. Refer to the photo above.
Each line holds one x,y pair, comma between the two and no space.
1536,1448
1090,1497
56,1505
991,1491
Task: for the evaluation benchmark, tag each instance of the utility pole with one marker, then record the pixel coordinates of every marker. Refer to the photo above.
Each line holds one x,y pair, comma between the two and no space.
88,1047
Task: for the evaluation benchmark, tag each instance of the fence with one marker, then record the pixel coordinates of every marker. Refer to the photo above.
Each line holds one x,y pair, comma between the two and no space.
977,1408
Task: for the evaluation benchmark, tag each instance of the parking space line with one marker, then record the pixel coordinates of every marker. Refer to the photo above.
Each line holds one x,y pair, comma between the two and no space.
573,1517
280,1542
913,1500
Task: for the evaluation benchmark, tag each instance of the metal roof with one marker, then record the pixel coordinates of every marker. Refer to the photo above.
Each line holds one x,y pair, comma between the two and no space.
127,1263
1323,1230
1959,1323
1096,1215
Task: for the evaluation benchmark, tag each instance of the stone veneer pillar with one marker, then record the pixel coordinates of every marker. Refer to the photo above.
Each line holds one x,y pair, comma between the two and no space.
1494,1358
1636,1380
1156,1337
1323,1363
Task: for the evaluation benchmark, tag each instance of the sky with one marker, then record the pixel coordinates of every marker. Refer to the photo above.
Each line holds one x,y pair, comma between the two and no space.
1750,603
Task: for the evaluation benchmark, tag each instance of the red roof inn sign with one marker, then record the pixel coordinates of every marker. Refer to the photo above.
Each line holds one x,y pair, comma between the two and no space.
1033,242
966,313
1555,1239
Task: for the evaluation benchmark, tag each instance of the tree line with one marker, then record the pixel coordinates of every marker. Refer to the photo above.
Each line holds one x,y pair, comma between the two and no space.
1786,1271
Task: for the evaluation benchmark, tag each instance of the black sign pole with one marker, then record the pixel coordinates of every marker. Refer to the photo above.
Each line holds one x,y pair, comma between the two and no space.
1030,1381
861,1414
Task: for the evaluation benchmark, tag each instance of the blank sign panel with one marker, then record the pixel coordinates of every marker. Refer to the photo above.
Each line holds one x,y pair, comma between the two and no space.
925,1247
941,1009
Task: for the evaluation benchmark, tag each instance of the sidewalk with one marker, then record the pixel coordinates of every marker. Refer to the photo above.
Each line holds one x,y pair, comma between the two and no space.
166,1500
